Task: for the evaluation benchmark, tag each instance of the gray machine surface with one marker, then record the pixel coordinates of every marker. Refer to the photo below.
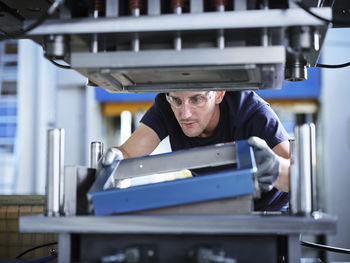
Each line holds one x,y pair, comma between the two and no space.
170,238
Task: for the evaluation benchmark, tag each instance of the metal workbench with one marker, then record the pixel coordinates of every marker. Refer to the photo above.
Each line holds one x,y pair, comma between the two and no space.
170,238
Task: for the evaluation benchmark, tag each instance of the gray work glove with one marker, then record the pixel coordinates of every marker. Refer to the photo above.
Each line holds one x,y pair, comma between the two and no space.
267,163
111,155
108,161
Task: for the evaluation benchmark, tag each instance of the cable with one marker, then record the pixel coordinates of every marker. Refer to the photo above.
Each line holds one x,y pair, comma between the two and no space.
324,247
60,65
52,9
37,260
335,22
333,66
342,22
36,247
306,9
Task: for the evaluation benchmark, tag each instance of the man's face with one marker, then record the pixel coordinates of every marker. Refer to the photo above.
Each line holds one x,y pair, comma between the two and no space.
196,111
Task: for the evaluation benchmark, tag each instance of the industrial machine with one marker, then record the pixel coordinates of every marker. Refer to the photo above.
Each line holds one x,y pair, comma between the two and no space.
164,218
162,46
157,45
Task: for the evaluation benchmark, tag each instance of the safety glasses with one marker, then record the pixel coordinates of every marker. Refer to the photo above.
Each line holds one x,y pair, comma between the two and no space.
195,101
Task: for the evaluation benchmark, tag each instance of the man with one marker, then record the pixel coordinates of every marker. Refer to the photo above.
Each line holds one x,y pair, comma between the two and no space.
198,118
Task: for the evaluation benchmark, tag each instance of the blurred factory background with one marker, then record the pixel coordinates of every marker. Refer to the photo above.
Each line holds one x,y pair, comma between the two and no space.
35,96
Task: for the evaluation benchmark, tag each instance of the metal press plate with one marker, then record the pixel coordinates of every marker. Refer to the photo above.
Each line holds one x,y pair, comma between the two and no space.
234,68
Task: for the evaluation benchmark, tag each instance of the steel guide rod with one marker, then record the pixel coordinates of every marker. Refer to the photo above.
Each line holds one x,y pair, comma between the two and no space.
55,169
96,152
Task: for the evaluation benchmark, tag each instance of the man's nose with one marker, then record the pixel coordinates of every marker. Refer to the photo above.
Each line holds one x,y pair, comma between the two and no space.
186,111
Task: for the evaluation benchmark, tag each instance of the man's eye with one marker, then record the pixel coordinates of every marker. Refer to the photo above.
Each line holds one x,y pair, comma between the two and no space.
177,101
196,99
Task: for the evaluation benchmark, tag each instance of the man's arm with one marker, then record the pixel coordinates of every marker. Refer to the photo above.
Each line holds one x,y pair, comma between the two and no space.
282,150
142,142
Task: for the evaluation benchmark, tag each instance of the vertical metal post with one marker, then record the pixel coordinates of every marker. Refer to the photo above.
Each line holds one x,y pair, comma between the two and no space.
196,6
294,248
135,44
55,167
240,5
293,180
96,152
291,148
94,42
65,248
135,7
264,34
61,154
112,8
313,167
220,39
303,161
153,7
177,39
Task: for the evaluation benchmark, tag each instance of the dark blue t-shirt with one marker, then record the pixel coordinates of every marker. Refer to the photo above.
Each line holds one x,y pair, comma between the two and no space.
242,114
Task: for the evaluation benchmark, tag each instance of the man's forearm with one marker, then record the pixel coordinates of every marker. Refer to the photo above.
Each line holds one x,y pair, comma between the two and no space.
282,182
124,152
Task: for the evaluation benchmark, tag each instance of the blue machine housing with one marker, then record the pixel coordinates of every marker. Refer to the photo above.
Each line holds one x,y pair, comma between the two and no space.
223,184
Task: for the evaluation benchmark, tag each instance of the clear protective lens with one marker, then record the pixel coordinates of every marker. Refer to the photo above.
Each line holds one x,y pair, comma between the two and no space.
195,101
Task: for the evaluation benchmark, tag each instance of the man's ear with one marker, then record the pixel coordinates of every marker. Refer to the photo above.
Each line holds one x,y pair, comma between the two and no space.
219,96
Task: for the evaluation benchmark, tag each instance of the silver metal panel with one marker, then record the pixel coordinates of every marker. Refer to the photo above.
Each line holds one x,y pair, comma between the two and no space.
187,159
205,68
313,55
78,180
112,85
186,57
70,190
175,224
210,156
173,22
238,205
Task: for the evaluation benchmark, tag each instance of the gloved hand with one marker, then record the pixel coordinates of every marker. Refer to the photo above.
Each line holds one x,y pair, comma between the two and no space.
107,162
105,168
267,163
111,155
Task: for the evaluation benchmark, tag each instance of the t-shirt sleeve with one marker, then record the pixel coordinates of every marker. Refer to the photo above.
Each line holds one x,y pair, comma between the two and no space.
154,118
265,124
